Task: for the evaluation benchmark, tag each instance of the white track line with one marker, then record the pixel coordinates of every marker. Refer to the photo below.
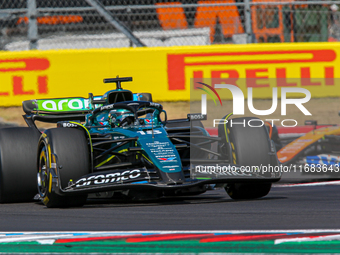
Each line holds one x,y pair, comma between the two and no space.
28,238
308,239
308,184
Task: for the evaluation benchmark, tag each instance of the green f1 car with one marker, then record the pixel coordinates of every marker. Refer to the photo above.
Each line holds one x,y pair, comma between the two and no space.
122,143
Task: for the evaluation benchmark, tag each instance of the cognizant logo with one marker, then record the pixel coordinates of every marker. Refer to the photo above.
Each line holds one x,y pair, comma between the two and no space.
238,103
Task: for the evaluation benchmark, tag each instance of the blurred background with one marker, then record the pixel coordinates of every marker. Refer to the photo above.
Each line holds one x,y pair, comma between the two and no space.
77,24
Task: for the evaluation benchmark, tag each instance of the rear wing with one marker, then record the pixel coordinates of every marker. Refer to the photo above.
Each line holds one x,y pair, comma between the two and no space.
58,106
71,105
56,109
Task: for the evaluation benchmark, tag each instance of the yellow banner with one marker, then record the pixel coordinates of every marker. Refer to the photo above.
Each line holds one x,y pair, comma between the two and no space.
166,72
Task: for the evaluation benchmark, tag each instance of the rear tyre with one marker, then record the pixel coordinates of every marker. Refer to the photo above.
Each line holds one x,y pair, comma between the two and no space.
68,148
18,153
250,146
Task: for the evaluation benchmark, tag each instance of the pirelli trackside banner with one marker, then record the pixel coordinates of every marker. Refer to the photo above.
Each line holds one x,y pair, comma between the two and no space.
167,72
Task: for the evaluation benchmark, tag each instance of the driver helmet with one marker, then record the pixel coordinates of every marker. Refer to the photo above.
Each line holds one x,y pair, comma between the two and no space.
117,116
102,119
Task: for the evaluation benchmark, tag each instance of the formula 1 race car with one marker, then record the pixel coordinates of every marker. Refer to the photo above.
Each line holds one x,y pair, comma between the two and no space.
318,147
122,143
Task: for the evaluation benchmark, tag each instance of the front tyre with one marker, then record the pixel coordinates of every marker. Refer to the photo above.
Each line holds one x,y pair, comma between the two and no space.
251,146
248,190
64,151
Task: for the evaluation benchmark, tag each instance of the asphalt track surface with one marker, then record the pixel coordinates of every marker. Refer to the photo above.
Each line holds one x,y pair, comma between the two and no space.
315,207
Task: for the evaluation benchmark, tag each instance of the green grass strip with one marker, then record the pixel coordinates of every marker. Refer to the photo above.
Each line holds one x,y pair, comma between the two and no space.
191,246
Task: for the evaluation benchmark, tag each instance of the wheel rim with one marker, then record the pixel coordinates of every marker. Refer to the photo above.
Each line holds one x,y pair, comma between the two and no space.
42,176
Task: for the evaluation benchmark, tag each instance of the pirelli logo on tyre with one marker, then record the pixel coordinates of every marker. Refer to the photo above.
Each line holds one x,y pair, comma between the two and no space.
257,69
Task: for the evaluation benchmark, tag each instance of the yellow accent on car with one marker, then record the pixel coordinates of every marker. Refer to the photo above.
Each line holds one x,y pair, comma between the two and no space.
46,200
105,161
49,155
147,159
225,126
108,159
50,184
87,131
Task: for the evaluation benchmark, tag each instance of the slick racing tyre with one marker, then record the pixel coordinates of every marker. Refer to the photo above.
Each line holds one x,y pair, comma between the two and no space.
65,150
18,153
250,146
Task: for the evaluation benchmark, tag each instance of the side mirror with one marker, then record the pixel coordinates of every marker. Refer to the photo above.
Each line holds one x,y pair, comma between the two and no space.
163,117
